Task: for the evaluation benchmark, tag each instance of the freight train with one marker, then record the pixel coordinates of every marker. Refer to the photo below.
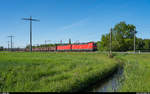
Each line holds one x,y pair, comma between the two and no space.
91,46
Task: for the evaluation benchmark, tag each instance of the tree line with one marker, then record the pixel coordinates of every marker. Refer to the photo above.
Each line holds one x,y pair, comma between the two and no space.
123,39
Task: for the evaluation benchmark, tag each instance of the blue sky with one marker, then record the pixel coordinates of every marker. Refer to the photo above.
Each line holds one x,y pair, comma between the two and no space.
83,20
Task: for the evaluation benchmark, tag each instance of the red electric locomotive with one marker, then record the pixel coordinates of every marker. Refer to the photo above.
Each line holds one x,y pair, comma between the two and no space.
91,46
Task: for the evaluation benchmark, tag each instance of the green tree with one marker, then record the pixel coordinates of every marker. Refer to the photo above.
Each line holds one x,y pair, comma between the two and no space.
122,37
1,48
146,44
104,46
129,44
140,44
123,30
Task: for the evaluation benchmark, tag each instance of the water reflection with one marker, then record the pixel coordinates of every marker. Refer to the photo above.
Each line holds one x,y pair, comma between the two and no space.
110,85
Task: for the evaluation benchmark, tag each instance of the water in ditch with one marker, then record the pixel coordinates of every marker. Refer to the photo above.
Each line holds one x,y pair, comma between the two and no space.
109,85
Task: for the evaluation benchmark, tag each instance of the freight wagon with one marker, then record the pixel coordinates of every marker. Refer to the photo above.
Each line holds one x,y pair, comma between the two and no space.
91,46
44,49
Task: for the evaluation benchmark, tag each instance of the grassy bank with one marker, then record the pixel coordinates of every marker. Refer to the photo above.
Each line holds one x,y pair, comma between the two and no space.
136,73
54,72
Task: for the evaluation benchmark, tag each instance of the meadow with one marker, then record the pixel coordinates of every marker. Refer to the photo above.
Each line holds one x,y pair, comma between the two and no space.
53,72
136,72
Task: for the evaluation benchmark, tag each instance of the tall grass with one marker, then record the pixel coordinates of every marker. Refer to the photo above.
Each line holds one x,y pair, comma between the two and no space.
136,73
53,72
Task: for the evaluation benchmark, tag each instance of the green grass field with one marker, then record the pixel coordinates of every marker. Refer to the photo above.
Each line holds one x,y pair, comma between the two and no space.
136,73
69,72
53,72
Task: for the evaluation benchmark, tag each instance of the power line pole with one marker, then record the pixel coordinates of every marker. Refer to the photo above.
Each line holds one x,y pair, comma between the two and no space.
47,41
69,40
134,41
70,43
60,41
11,37
8,45
110,41
30,19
